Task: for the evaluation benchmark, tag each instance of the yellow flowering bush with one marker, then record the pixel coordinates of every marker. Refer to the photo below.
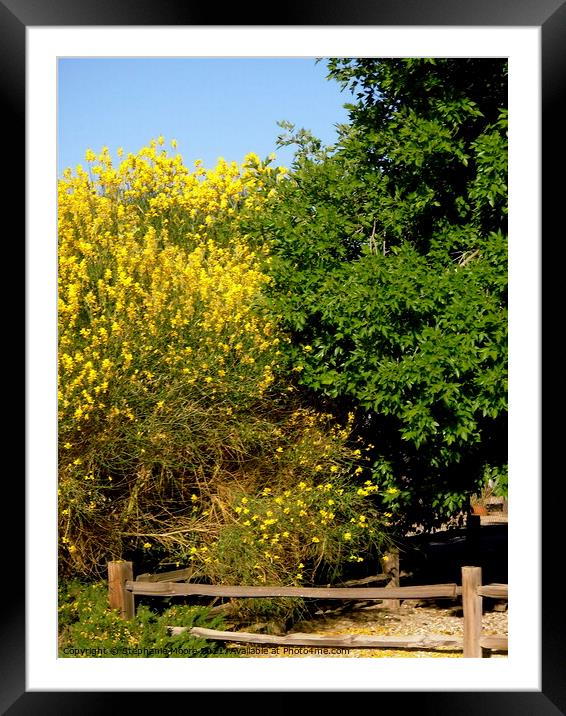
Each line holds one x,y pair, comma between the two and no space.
173,400
162,343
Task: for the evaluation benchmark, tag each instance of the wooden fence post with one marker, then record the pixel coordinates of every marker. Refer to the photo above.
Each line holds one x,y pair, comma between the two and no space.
390,563
118,596
472,605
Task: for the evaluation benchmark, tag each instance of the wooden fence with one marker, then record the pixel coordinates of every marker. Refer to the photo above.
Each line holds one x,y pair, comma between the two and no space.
122,589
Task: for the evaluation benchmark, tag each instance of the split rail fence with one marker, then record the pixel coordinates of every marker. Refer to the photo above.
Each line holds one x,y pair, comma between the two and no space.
122,589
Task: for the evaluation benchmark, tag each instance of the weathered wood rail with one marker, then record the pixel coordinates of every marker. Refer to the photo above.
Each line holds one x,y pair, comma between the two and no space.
122,589
419,642
171,589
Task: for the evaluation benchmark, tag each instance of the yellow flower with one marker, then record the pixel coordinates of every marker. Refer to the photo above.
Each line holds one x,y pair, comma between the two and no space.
347,536
315,539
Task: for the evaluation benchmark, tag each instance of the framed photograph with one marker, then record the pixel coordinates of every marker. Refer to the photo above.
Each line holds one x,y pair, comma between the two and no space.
41,49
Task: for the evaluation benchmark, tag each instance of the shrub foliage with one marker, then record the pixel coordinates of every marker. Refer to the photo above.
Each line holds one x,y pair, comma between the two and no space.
174,403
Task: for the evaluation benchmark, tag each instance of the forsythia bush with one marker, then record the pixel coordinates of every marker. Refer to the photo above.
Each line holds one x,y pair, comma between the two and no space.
172,408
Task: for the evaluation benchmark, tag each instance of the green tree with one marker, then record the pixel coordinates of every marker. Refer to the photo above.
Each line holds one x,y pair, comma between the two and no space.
389,260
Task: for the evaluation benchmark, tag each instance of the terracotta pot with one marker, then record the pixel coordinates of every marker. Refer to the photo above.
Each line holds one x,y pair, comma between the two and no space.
479,510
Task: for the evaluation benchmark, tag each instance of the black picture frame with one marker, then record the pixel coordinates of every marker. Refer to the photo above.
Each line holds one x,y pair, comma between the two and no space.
550,16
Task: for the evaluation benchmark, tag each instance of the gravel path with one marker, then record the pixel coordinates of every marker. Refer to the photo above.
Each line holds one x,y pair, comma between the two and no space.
410,619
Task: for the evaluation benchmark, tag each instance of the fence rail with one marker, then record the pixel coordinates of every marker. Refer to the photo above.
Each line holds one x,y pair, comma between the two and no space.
122,589
421,642
171,589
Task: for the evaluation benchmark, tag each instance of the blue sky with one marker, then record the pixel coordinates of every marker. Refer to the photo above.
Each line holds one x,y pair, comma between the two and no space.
212,106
